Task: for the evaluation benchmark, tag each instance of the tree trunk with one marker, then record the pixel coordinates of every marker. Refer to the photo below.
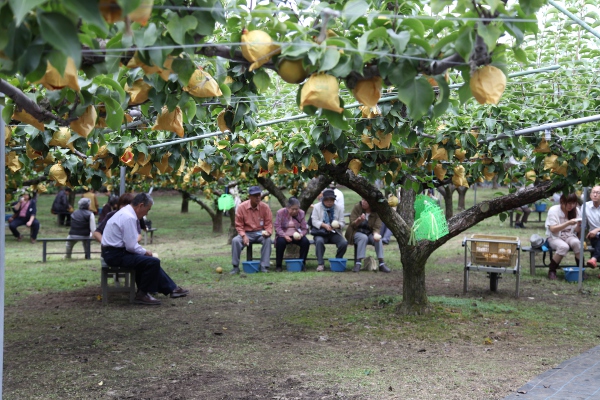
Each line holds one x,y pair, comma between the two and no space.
447,192
185,202
232,232
314,187
462,194
414,291
495,182
217,221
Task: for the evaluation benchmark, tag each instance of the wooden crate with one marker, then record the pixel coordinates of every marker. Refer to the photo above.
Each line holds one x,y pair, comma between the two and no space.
498,251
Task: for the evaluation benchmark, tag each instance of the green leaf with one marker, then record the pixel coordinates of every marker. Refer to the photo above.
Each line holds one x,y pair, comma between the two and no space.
205,22
330,59
142,147
399,40
262,80
490,34
444,94
377,33
353,10
532,6
438,5
520,54
336,120
114,85
415,25
464,42
88,10
443,42
418,95
114,112
60,32
226,98
184,68
177,27
296,49
20,8
343,68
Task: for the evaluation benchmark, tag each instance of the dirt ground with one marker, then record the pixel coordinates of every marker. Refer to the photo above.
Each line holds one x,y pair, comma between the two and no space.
328,337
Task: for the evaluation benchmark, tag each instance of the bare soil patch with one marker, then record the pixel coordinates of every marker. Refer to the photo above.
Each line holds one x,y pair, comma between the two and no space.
329,336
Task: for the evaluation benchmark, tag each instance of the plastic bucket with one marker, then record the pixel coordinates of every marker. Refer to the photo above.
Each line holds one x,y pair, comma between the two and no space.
294,264
540,207
572,274
250,267
337,264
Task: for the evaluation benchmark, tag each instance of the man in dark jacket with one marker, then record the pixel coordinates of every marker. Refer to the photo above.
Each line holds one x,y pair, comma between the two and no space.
83,224
61,206
364,229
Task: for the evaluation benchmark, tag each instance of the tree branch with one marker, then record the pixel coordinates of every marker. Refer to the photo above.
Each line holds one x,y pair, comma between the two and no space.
273,189
202,204
25,103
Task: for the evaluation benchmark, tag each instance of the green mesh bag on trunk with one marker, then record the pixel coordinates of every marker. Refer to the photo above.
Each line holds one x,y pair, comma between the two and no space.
430,220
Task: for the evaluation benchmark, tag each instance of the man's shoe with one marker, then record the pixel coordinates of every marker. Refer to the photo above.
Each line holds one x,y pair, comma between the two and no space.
320,268
179,292
552,275
235,270
384,268
263,269
356,268
278,269
19,238
32,241
592,263
146,299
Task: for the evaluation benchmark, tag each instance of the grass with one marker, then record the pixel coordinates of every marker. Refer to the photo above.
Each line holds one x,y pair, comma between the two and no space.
281,326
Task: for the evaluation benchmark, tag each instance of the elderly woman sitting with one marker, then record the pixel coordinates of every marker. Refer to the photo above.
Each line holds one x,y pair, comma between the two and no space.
83,224
563,224
290,228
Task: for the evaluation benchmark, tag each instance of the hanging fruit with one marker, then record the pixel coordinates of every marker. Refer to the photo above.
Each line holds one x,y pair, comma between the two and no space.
488,84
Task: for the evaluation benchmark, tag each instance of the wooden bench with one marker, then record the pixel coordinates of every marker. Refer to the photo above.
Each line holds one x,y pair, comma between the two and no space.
151,232
535,251
115,273
86,245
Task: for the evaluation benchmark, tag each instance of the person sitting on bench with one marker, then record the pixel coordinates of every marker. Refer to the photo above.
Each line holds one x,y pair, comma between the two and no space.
563,224
121,249
83,224
254,224
327,221
25,211
290,228
522,214
364,229
593,220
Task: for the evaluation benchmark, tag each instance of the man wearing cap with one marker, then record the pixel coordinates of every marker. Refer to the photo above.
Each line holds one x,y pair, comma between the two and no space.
120,248
327,222
254,224
339,196
83,224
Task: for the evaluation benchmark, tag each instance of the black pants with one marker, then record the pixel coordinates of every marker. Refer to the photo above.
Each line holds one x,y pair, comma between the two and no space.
64,219
19,221
280,245
595,242
149,276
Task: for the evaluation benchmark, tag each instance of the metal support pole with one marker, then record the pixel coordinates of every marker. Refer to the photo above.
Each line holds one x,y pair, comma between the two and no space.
122,181
2,238
574,18
582,237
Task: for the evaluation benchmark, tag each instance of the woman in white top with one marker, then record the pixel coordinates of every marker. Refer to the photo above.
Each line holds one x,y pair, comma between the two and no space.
563,225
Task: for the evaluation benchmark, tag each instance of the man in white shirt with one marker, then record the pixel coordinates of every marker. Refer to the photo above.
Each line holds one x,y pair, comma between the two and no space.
120,248
592,213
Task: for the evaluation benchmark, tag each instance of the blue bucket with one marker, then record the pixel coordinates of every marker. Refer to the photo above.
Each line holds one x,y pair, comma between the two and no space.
540,207
250,267
294,264
572,274
337,264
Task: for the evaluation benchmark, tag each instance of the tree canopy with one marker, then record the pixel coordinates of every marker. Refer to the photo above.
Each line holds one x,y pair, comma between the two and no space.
187,92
